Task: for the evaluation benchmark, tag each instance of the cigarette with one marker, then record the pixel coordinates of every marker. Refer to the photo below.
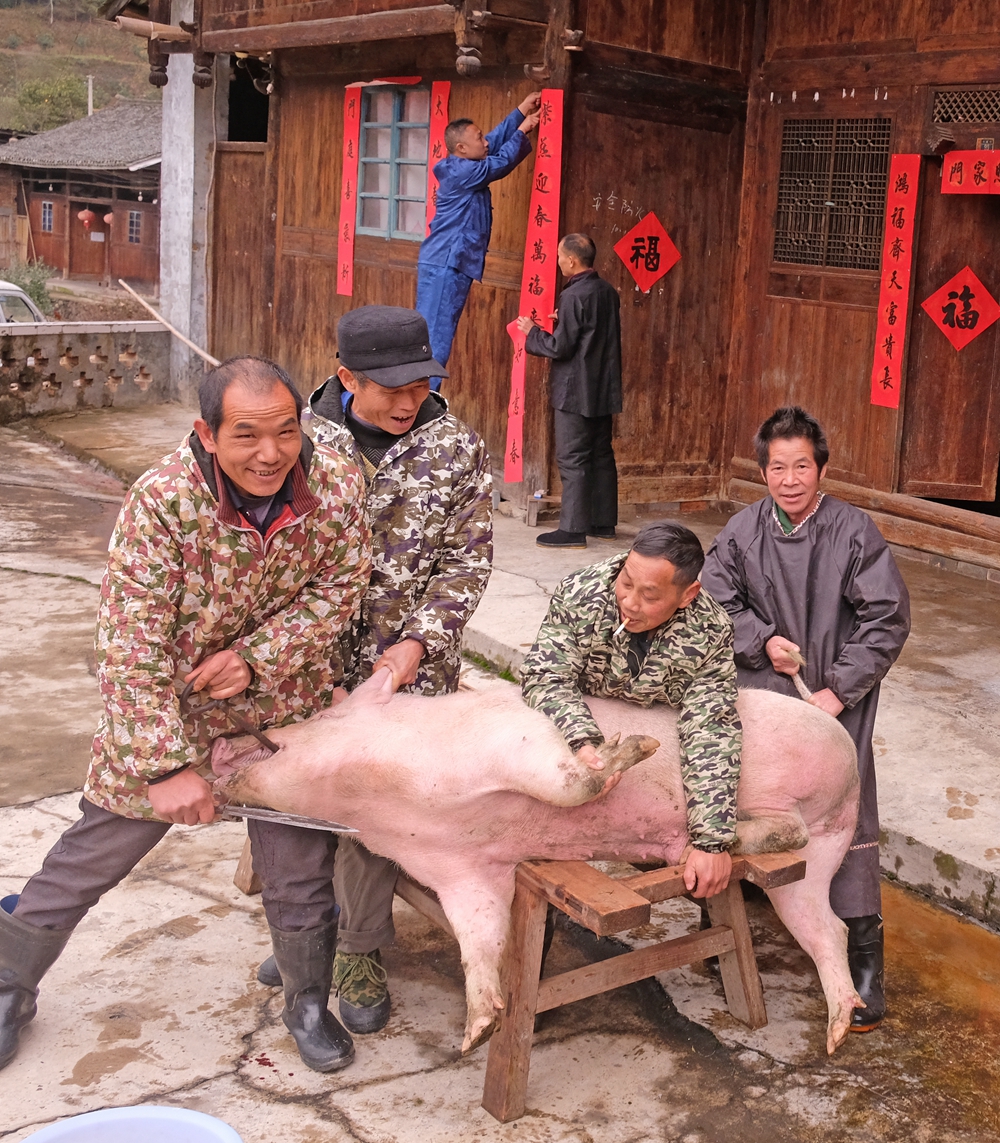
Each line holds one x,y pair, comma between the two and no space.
620,629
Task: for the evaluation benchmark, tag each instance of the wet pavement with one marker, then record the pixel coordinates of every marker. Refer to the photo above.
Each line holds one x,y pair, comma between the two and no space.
155,999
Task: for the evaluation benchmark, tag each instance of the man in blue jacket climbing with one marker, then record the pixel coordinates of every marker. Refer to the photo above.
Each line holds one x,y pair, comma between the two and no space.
453,254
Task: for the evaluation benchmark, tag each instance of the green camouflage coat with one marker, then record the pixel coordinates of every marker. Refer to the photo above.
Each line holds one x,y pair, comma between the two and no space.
430,509
187,577
689,665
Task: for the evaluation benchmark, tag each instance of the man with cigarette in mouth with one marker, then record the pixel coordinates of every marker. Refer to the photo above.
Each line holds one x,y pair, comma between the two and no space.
638,627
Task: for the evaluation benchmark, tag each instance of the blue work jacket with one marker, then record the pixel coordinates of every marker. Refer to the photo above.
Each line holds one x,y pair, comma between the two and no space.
460,229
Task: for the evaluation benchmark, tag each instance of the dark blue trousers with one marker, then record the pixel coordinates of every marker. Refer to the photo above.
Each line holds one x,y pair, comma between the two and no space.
441,295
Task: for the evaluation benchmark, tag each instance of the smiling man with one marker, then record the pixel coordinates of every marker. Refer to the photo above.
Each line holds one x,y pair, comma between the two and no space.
428,504
235,565
638,627
802,573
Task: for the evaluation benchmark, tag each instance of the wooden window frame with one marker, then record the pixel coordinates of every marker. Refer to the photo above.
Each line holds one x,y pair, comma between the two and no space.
51,212
838,192
135,217
395,161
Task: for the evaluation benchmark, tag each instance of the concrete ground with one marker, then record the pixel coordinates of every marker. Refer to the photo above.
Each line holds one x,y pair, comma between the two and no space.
155,999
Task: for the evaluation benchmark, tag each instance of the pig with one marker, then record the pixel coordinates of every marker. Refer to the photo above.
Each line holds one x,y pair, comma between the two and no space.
460,788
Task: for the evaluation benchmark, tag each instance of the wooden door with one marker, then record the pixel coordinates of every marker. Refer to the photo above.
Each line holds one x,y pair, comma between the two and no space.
49,245
240,314
87,247
951,421
135,242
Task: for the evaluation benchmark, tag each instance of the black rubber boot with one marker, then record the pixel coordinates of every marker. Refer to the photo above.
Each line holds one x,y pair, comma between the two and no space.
305,963
866,957
268,973
26,955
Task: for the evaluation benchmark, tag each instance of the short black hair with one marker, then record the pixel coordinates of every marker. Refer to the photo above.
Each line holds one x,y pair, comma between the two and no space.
581,246
258,374
675,543
785,424
454,131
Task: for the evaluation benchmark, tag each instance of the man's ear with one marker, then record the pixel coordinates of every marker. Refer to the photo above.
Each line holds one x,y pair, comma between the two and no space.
347,379
822,473
690,593
206,436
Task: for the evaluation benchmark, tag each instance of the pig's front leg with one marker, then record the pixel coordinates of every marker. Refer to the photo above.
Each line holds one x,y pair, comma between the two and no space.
478,908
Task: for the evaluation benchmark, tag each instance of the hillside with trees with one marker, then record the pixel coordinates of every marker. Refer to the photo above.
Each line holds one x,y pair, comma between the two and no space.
47,50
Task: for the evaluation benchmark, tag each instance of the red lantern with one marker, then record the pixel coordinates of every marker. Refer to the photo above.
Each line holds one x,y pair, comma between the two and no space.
88,218
109,218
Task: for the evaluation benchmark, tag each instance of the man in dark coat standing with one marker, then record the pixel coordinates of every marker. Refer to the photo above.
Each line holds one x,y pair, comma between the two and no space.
804,575
585,392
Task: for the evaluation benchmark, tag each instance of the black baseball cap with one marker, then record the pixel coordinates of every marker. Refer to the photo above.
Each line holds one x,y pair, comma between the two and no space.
389,344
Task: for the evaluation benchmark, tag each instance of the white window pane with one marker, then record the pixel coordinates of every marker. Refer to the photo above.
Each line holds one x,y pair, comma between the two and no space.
413,143
380,107
378,143
417,107
411,218
375,178
412,179
375,213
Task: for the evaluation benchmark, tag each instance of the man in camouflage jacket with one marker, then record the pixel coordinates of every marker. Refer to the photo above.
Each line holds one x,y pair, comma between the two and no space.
235,565
637,627
428,504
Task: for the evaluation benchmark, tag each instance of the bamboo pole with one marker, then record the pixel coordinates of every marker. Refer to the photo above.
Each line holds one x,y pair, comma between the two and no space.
176,332
153,31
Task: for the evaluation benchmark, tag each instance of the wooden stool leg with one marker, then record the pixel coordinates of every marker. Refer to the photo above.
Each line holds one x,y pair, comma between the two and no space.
740,977
246,880
510,1047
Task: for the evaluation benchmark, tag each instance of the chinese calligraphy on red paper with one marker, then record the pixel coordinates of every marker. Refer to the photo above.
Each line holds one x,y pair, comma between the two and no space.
647,252
962,308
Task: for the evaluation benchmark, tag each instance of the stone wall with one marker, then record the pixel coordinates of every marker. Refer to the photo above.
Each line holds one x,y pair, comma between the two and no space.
52,367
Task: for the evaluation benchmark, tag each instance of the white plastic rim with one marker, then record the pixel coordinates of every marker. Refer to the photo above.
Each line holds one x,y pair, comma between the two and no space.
124,1124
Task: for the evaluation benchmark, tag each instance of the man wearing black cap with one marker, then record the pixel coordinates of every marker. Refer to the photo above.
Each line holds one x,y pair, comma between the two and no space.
429,506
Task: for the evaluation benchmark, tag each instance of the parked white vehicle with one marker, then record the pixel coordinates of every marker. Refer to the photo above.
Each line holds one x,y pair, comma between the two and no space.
16,306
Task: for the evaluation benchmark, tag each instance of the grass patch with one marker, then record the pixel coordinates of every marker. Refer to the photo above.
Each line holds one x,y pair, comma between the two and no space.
484,664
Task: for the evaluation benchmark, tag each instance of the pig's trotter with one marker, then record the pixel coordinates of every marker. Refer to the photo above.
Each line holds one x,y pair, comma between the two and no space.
478,1032
618,756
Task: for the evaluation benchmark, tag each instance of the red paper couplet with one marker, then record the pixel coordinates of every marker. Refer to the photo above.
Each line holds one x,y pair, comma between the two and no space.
894,291
436,151
538,276
647,251
962,308
513,468
969,172
349,190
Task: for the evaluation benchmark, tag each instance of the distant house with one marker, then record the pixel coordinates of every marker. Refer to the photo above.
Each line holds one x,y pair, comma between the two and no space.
105,167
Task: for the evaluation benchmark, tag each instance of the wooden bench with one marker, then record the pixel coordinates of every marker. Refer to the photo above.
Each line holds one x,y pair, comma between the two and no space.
607,905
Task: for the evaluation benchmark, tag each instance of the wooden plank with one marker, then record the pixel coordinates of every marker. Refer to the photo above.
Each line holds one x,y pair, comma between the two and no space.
245,879
740,978
590,897
975,65
658,884
554,991
710,76
424,901
510,1048
434,20
769,870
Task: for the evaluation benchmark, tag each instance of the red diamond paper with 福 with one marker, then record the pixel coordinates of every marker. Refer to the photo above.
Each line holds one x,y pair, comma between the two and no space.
962,308
647,252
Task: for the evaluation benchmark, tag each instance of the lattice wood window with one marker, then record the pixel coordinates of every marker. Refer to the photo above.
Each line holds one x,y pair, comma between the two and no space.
135,226
831,192
47,217
392,198
966,107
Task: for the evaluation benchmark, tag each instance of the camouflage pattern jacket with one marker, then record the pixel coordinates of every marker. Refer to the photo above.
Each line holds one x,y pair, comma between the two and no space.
689,665
430,510
187,576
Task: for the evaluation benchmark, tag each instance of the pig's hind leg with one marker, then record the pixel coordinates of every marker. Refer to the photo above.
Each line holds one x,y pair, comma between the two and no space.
478,909
804,908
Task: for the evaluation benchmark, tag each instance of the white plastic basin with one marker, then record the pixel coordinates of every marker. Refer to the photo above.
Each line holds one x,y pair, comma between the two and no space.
128,1124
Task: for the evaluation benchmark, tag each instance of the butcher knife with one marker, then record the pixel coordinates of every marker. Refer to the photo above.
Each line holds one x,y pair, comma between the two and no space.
232,813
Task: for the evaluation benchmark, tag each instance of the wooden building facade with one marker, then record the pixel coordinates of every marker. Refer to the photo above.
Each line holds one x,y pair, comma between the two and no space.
105,167
759,133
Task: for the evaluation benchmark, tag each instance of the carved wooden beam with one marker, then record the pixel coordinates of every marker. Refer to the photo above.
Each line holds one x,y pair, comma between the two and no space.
560,39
